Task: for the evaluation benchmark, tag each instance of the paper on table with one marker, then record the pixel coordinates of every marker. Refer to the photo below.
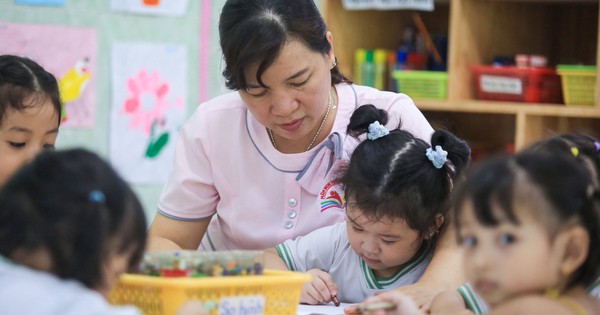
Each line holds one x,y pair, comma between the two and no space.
326,309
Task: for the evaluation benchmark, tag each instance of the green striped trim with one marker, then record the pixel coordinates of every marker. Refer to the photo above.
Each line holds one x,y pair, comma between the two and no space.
471,299
593,286
284,253
369,277
382,283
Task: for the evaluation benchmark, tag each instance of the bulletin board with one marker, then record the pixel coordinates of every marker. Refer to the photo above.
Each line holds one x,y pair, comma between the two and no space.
131,72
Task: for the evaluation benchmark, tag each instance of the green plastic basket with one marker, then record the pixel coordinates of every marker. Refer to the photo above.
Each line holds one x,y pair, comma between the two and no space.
578,83
422,84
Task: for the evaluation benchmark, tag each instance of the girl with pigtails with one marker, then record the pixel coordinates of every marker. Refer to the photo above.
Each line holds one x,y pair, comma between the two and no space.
396,189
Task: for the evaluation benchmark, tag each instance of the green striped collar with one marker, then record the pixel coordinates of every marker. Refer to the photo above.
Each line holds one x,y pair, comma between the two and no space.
375,283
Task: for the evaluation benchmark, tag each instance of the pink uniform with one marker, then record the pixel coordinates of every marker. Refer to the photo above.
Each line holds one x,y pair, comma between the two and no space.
225,164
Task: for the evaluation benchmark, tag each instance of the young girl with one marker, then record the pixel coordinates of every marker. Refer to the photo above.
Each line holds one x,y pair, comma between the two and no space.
69,226
397,188
530,229
585,149
29,112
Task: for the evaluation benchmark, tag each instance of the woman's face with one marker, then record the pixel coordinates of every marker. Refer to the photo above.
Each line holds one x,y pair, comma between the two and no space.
295,100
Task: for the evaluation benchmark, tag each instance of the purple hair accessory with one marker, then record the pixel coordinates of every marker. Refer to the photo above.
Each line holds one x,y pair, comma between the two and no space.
597,144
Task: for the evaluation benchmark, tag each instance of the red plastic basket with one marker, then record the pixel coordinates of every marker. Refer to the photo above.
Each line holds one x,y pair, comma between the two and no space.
512,84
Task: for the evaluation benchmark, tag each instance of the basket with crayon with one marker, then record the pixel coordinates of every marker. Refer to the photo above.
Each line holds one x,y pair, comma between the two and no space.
231,282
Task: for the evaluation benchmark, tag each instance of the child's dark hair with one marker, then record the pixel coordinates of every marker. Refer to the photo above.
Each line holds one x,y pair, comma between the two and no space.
74,205
392,176
24,83
497,187
581,146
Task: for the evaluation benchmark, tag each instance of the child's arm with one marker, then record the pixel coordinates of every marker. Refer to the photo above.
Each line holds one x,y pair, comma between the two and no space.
273,261
447,302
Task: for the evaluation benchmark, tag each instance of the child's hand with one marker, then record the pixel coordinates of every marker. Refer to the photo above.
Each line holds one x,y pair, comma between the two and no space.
320,289
404,305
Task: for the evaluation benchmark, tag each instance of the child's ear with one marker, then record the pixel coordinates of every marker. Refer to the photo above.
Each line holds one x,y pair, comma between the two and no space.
576,241
439,220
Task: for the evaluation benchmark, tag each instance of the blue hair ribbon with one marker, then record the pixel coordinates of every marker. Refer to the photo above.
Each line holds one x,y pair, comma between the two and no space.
437,156
96,196
376,131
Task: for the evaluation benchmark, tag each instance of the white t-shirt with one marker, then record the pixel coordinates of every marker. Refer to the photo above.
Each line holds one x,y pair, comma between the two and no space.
24,291
328,249
225,164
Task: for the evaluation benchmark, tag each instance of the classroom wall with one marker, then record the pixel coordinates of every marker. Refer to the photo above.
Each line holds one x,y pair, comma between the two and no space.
112,26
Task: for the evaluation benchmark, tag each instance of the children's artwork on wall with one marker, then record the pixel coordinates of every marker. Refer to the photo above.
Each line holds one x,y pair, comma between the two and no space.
422,5
70,53
204,47
41,2
151,7
148,97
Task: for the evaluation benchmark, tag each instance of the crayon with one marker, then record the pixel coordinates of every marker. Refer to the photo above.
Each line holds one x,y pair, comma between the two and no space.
335,300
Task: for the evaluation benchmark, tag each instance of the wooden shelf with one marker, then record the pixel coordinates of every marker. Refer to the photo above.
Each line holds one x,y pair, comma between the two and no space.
493,107
566,31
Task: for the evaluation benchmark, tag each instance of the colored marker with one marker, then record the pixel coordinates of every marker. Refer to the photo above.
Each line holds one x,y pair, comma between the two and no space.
369,307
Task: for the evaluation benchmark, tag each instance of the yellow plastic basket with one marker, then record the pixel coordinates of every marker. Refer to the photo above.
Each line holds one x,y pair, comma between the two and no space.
578,83
422,84
278,291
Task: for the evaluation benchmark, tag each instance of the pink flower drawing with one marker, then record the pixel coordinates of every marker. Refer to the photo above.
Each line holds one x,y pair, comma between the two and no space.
147,102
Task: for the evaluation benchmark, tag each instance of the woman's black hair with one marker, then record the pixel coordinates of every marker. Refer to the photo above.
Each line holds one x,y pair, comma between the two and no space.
255,31
392,176
24,83
74,205
496,186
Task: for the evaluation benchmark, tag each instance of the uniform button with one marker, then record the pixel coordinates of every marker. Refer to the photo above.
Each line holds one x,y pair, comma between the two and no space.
292,214
292,202
289,224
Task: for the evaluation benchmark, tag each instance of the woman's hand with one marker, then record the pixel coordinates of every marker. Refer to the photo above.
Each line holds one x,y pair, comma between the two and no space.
421,294
320,289
401,303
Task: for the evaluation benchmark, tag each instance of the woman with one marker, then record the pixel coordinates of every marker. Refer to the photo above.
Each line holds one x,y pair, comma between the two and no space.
263,158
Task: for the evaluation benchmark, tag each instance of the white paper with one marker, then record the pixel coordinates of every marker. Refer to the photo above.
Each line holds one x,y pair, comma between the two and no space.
149,91
421,5
326,309
151,7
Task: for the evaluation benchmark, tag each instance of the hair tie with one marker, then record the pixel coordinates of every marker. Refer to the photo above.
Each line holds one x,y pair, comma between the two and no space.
376,131
437,157
575,151
597,144
96,196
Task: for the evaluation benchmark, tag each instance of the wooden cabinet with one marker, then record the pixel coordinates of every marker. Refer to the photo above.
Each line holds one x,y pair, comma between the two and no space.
566,31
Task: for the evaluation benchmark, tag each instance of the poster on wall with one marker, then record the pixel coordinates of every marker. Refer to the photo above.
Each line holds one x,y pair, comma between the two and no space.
151,7
421,5
70,53
149,90
53,3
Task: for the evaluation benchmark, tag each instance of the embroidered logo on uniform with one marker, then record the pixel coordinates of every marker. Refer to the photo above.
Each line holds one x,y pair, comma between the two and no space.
332,197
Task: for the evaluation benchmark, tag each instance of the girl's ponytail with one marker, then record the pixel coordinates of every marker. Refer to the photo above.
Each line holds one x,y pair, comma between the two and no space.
458,150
